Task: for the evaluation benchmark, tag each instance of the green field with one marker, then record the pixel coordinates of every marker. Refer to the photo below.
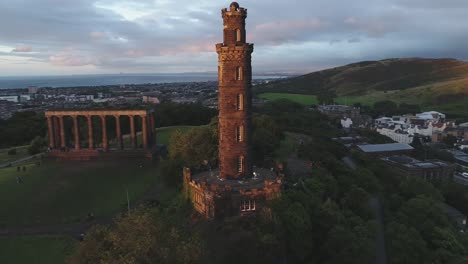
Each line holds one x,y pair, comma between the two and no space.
298,98
21,152
55,193
419,96
163,135
35,250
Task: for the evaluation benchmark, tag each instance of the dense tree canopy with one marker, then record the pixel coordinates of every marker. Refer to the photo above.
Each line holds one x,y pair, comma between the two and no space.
144,236
21,128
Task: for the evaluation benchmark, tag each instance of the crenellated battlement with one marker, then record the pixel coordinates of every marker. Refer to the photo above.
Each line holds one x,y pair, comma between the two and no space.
234,10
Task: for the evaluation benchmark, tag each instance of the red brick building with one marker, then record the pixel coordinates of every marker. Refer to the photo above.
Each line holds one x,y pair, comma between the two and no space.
237,188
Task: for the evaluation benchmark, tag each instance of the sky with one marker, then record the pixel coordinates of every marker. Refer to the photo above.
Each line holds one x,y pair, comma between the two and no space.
63,37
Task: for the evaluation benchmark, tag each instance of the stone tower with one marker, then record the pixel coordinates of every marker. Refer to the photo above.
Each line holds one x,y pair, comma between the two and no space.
235,96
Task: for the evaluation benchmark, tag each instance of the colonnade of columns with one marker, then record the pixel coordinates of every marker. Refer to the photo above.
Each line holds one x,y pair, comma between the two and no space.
57,131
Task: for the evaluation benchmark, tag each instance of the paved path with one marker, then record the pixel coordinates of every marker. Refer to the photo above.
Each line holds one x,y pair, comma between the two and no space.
380,254
15,162
349,162
376,205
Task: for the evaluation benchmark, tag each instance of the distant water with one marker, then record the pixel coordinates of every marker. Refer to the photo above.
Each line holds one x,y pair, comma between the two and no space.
107,79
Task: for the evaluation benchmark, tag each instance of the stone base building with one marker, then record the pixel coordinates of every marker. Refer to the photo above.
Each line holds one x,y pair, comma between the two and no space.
216,198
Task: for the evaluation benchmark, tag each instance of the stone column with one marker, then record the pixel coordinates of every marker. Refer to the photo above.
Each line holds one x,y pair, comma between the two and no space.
62,132
76,132
144,131
152,129
55,120
104,133
51,132
118,132
132,131
90,132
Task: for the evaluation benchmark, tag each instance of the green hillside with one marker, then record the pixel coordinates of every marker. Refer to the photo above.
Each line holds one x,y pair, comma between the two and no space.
437,83
363,77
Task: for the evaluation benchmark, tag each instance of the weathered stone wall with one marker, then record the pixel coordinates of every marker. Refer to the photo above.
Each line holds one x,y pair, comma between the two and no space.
235,77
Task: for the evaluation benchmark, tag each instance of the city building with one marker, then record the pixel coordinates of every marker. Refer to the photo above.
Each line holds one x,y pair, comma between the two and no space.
236,187
150,99
429,170
403,129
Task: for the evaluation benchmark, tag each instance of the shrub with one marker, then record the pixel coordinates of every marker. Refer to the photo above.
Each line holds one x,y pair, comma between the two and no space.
12,151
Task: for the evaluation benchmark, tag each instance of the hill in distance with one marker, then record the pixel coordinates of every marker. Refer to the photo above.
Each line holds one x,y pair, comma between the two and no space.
427,82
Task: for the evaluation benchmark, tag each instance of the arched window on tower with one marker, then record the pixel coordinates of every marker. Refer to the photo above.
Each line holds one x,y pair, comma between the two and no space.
238,35
240,164
240,133
240,102
239,74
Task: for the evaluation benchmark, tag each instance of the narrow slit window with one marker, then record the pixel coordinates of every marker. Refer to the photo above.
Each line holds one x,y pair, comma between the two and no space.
240,102
238,35
220,74
240,133
239,74
240,164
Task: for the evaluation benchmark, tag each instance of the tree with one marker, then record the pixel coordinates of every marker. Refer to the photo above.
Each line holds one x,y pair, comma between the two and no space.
12,151
37,145
327,97
404,108
405,245
144,236
349,244
266,137
450,140
385,108
195,146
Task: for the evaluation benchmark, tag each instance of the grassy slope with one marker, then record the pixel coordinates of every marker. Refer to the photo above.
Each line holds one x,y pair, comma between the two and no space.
298,98
21,152
37,250
66,192
163,135
415,81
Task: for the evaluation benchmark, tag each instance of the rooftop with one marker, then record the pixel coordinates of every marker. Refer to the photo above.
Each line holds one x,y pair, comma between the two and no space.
256,182
414,163
384,147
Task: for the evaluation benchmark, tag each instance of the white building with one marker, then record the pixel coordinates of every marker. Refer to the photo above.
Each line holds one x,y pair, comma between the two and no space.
431,115
346,122
10,98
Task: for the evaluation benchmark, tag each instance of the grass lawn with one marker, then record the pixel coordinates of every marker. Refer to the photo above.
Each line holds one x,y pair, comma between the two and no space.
55,193
298,98
420,96
35,249
163,135
21,152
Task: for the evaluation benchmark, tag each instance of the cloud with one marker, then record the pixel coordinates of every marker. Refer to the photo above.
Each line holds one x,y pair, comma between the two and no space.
97,34
160,36
22,49
69,57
